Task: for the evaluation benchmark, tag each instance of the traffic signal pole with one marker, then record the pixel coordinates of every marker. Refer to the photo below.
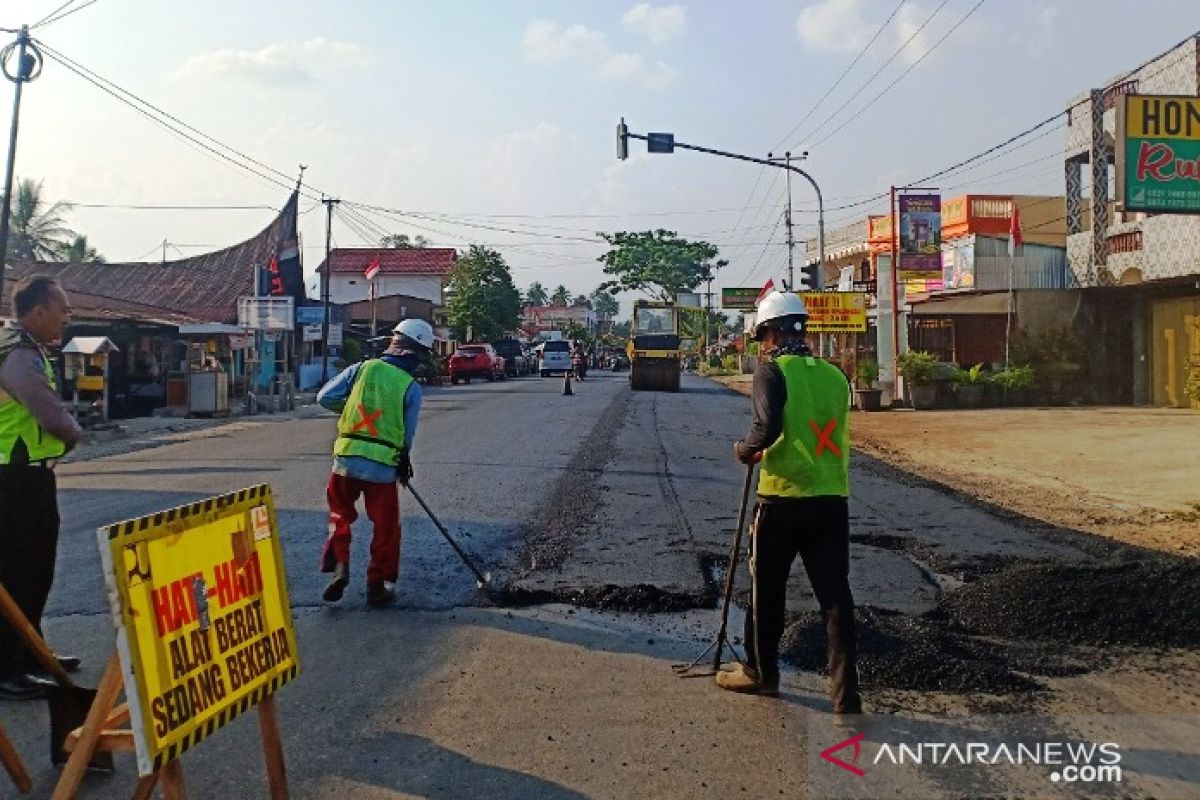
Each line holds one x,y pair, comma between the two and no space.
666,143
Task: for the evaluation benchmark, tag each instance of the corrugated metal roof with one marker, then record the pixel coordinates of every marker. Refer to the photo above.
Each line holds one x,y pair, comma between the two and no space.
392,261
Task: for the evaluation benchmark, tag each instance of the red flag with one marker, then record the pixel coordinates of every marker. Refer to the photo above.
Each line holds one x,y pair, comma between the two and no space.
372,269
766,290
1015,239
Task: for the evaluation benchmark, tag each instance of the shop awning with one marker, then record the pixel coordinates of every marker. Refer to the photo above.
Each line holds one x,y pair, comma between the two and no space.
963,304
210,329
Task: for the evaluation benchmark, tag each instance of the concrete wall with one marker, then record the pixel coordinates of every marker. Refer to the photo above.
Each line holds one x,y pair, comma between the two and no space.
345,289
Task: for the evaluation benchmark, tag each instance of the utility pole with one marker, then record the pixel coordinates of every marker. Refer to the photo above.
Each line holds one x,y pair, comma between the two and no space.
325,276
29,67
787,216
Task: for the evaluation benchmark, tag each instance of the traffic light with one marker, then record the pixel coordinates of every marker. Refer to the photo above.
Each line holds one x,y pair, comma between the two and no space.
811,279
622,140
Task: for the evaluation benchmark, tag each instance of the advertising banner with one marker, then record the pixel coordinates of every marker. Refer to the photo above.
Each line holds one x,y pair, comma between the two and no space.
920,234
204,625
1158,155
836,312
266,313
958,267
739,298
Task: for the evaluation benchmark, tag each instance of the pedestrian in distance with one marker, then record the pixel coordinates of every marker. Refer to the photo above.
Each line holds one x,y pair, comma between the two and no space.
35,432
800,433
378,401
578,362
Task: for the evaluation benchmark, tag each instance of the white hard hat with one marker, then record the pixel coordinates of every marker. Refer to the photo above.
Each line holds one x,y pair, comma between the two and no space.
778,306
418,330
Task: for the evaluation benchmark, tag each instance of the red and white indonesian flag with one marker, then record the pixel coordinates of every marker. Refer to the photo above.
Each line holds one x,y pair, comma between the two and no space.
767,288
372,269
1015,239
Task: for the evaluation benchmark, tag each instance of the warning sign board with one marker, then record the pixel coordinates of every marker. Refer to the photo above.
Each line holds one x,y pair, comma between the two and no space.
204,626
836,312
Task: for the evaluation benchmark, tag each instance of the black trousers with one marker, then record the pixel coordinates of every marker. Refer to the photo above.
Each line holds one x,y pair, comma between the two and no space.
28,546
818,530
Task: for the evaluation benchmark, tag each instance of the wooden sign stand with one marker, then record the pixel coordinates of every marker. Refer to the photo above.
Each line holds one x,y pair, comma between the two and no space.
13,765
99,733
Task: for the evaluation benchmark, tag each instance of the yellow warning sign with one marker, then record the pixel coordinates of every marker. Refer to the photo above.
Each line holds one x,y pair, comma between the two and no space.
204,626
836,312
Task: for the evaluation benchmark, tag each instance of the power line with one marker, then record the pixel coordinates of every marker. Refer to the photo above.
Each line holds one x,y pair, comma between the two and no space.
878,72
45,22
902,75
136,207
52,13
135,102
841,77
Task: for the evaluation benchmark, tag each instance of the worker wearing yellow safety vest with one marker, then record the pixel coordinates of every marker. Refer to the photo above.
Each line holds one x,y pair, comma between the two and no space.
800,433
35,432
378,401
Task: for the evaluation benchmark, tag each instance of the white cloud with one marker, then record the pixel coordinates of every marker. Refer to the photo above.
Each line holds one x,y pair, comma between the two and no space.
837,26
283,64
845,26
657,23
551,42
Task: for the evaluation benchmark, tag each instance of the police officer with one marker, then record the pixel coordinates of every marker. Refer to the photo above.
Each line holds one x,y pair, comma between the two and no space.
378,401
800,433
35,432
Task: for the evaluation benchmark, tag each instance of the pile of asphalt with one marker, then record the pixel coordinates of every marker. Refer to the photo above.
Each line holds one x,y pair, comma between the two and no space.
1144,603
639,597
896,651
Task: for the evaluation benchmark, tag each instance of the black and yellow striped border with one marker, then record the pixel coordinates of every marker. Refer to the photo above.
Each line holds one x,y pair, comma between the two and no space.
224,718
180,513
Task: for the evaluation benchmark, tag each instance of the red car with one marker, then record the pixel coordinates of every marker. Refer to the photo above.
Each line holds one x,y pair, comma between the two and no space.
476,361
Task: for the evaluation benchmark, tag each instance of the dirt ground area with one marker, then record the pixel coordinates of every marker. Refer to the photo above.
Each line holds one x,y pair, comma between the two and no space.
1126,473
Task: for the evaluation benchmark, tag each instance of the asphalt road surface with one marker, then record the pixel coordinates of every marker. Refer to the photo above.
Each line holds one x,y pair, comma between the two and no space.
606,518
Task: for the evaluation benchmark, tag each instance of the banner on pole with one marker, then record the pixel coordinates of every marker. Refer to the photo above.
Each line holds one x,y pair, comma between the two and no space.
199,598
836,312
739,298
920,234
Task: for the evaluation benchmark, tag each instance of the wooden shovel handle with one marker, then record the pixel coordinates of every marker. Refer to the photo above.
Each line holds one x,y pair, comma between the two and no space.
12,612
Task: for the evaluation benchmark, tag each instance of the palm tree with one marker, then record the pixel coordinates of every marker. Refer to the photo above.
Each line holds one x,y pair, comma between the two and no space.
536,296
561,296
37,233
80,252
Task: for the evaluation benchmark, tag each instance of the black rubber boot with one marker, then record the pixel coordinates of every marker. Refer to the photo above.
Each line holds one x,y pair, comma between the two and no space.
337,586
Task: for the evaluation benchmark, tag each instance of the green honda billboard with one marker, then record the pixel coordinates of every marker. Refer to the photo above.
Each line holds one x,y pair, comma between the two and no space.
1158,156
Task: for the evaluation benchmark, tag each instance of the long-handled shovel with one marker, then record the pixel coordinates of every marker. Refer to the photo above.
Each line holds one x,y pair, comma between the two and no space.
721,641
68,703
483,580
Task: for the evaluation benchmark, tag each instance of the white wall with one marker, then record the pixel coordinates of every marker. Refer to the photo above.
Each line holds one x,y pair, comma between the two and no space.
352,288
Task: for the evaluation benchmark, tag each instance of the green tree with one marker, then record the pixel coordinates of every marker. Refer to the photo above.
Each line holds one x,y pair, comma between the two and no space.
581,301
37,232
536,296
401,241
561,296
80,252
577,332
605,305
483,298
658,263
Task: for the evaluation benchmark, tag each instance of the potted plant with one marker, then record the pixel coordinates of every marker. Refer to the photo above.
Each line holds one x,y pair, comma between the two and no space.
1192,387
918,369
969,386
1015,383
866,372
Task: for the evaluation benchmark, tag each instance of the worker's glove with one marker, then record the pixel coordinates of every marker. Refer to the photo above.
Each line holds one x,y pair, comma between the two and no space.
404,470
744,457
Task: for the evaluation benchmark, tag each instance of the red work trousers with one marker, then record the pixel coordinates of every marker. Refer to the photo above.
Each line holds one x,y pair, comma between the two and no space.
383,509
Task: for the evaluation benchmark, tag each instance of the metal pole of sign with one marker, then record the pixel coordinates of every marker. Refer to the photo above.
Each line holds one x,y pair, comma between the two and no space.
325,278
29,67
895,223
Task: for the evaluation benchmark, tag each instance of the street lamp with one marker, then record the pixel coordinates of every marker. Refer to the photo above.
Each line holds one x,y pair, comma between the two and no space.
666,143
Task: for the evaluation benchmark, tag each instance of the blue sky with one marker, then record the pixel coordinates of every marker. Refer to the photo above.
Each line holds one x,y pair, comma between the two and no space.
501,114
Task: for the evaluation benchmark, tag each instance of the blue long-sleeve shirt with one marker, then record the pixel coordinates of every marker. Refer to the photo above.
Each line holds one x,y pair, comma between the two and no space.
333,396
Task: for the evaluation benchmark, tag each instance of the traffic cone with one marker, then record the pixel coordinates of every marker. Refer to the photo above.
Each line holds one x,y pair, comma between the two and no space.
567,383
